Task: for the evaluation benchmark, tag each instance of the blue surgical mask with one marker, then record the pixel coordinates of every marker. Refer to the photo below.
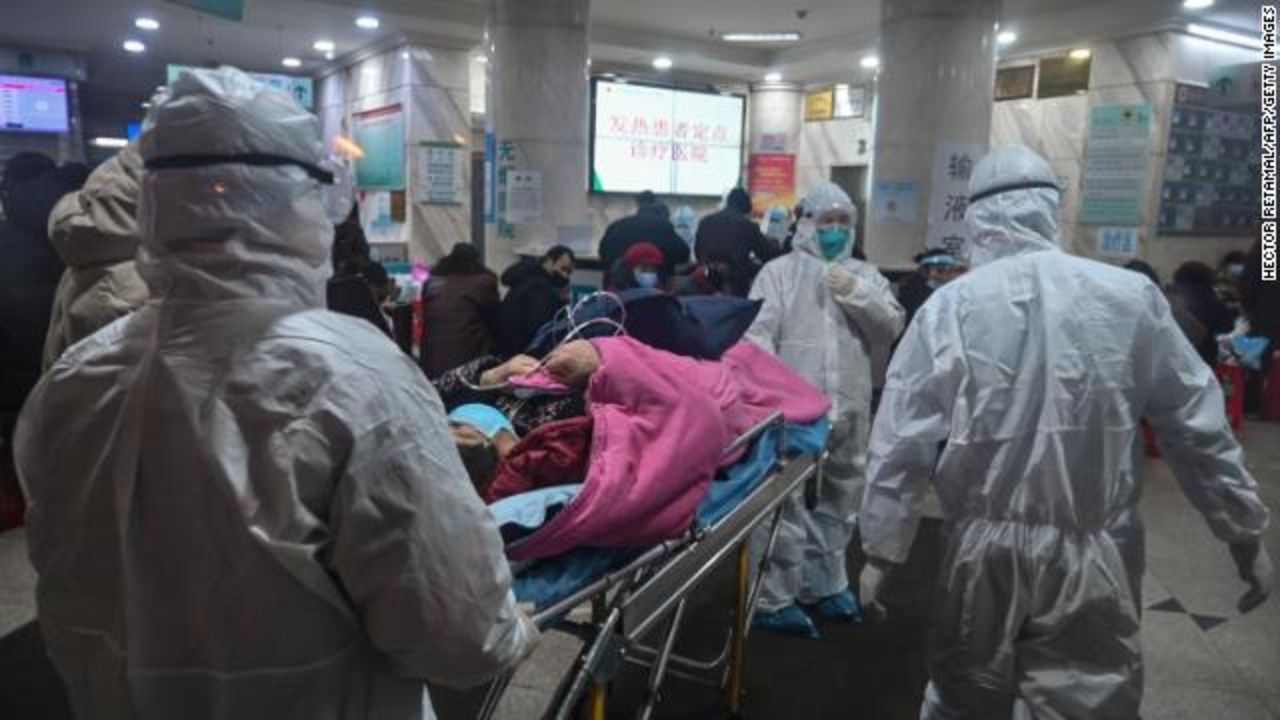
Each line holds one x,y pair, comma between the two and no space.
832,240
485,418
647,279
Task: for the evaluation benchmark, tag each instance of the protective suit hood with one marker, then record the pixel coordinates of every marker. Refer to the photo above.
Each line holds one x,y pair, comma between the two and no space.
824,198
229,207
1013,206
98,225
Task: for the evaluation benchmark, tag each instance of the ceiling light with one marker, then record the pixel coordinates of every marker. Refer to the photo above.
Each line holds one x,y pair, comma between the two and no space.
1080,54
134,46
109,142
291,62
367,22
1224,36
773,77
328,56
1196,4
662,62
761,37
871,62
482,59
323,46
146,23
1006,37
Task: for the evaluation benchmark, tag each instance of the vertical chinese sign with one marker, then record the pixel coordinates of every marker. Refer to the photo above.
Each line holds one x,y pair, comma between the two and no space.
949,195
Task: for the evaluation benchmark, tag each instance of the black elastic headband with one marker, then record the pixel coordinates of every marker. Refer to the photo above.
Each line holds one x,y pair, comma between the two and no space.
174,162
1028,185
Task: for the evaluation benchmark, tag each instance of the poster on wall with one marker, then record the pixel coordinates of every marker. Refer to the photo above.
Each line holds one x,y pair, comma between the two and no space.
1115,164
850,101
1118,242
819,104
894,201
771,180
1211,169
439,178
524,197
380,133
949,194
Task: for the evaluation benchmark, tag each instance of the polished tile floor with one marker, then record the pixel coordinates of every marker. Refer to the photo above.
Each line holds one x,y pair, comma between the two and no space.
1203,658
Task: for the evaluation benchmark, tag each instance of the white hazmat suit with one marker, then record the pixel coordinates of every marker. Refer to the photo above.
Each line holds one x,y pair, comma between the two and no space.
243,505
824,318
1034,369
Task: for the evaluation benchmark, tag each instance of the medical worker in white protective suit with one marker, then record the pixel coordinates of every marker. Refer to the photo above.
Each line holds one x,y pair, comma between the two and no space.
824,314
1035,368
242,505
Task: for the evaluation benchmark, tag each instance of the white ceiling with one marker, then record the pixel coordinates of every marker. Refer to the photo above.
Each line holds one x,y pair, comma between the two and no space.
625,34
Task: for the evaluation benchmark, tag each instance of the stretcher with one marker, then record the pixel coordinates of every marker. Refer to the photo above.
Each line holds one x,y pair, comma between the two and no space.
648,596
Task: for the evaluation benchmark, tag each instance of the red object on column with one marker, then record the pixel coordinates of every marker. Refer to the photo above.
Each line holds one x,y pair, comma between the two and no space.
1231,376
1271,390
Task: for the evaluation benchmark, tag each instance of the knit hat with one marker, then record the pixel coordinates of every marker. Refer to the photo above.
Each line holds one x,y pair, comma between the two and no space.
642,253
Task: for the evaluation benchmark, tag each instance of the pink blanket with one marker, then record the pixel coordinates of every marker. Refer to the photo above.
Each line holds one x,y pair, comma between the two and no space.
661,423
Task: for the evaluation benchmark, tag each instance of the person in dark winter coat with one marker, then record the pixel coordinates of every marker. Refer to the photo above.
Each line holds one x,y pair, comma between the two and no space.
1193,283
728,238
460,311
539,288
29,188
650,224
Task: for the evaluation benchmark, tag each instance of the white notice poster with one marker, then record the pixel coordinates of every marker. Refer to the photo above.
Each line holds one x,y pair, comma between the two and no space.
438,176
524,197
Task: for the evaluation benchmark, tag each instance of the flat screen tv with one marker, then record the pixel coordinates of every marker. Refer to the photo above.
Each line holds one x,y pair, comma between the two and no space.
673,142
33,104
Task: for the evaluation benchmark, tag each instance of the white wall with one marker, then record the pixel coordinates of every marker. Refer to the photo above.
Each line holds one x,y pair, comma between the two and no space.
829,143
1140,69
432,85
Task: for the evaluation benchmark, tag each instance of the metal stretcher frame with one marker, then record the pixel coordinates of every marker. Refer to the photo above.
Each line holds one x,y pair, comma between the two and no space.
629,603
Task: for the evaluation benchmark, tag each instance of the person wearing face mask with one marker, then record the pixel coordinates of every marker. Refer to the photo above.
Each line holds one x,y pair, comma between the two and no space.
538,290
260,512
640,267
824,314
1034,369
934,268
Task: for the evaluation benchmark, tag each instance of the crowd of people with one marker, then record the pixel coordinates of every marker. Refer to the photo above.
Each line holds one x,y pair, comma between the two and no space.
245,505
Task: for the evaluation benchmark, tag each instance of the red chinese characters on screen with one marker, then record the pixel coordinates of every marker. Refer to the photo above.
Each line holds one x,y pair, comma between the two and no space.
661,139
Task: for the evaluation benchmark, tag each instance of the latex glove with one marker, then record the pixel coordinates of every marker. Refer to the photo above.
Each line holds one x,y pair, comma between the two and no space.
518,365
573,363
1256,569
870,582
531,636
839,281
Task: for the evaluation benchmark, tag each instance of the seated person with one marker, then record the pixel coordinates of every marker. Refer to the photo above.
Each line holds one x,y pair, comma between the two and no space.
641,266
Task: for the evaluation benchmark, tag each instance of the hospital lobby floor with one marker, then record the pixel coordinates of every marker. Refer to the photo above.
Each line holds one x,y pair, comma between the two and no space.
1202,657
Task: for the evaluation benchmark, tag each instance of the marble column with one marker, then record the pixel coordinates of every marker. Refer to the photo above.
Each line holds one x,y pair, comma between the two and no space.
775,124
932,122
537,114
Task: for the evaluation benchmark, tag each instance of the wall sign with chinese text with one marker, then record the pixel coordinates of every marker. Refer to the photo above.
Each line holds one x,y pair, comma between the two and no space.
1115,164
949,194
